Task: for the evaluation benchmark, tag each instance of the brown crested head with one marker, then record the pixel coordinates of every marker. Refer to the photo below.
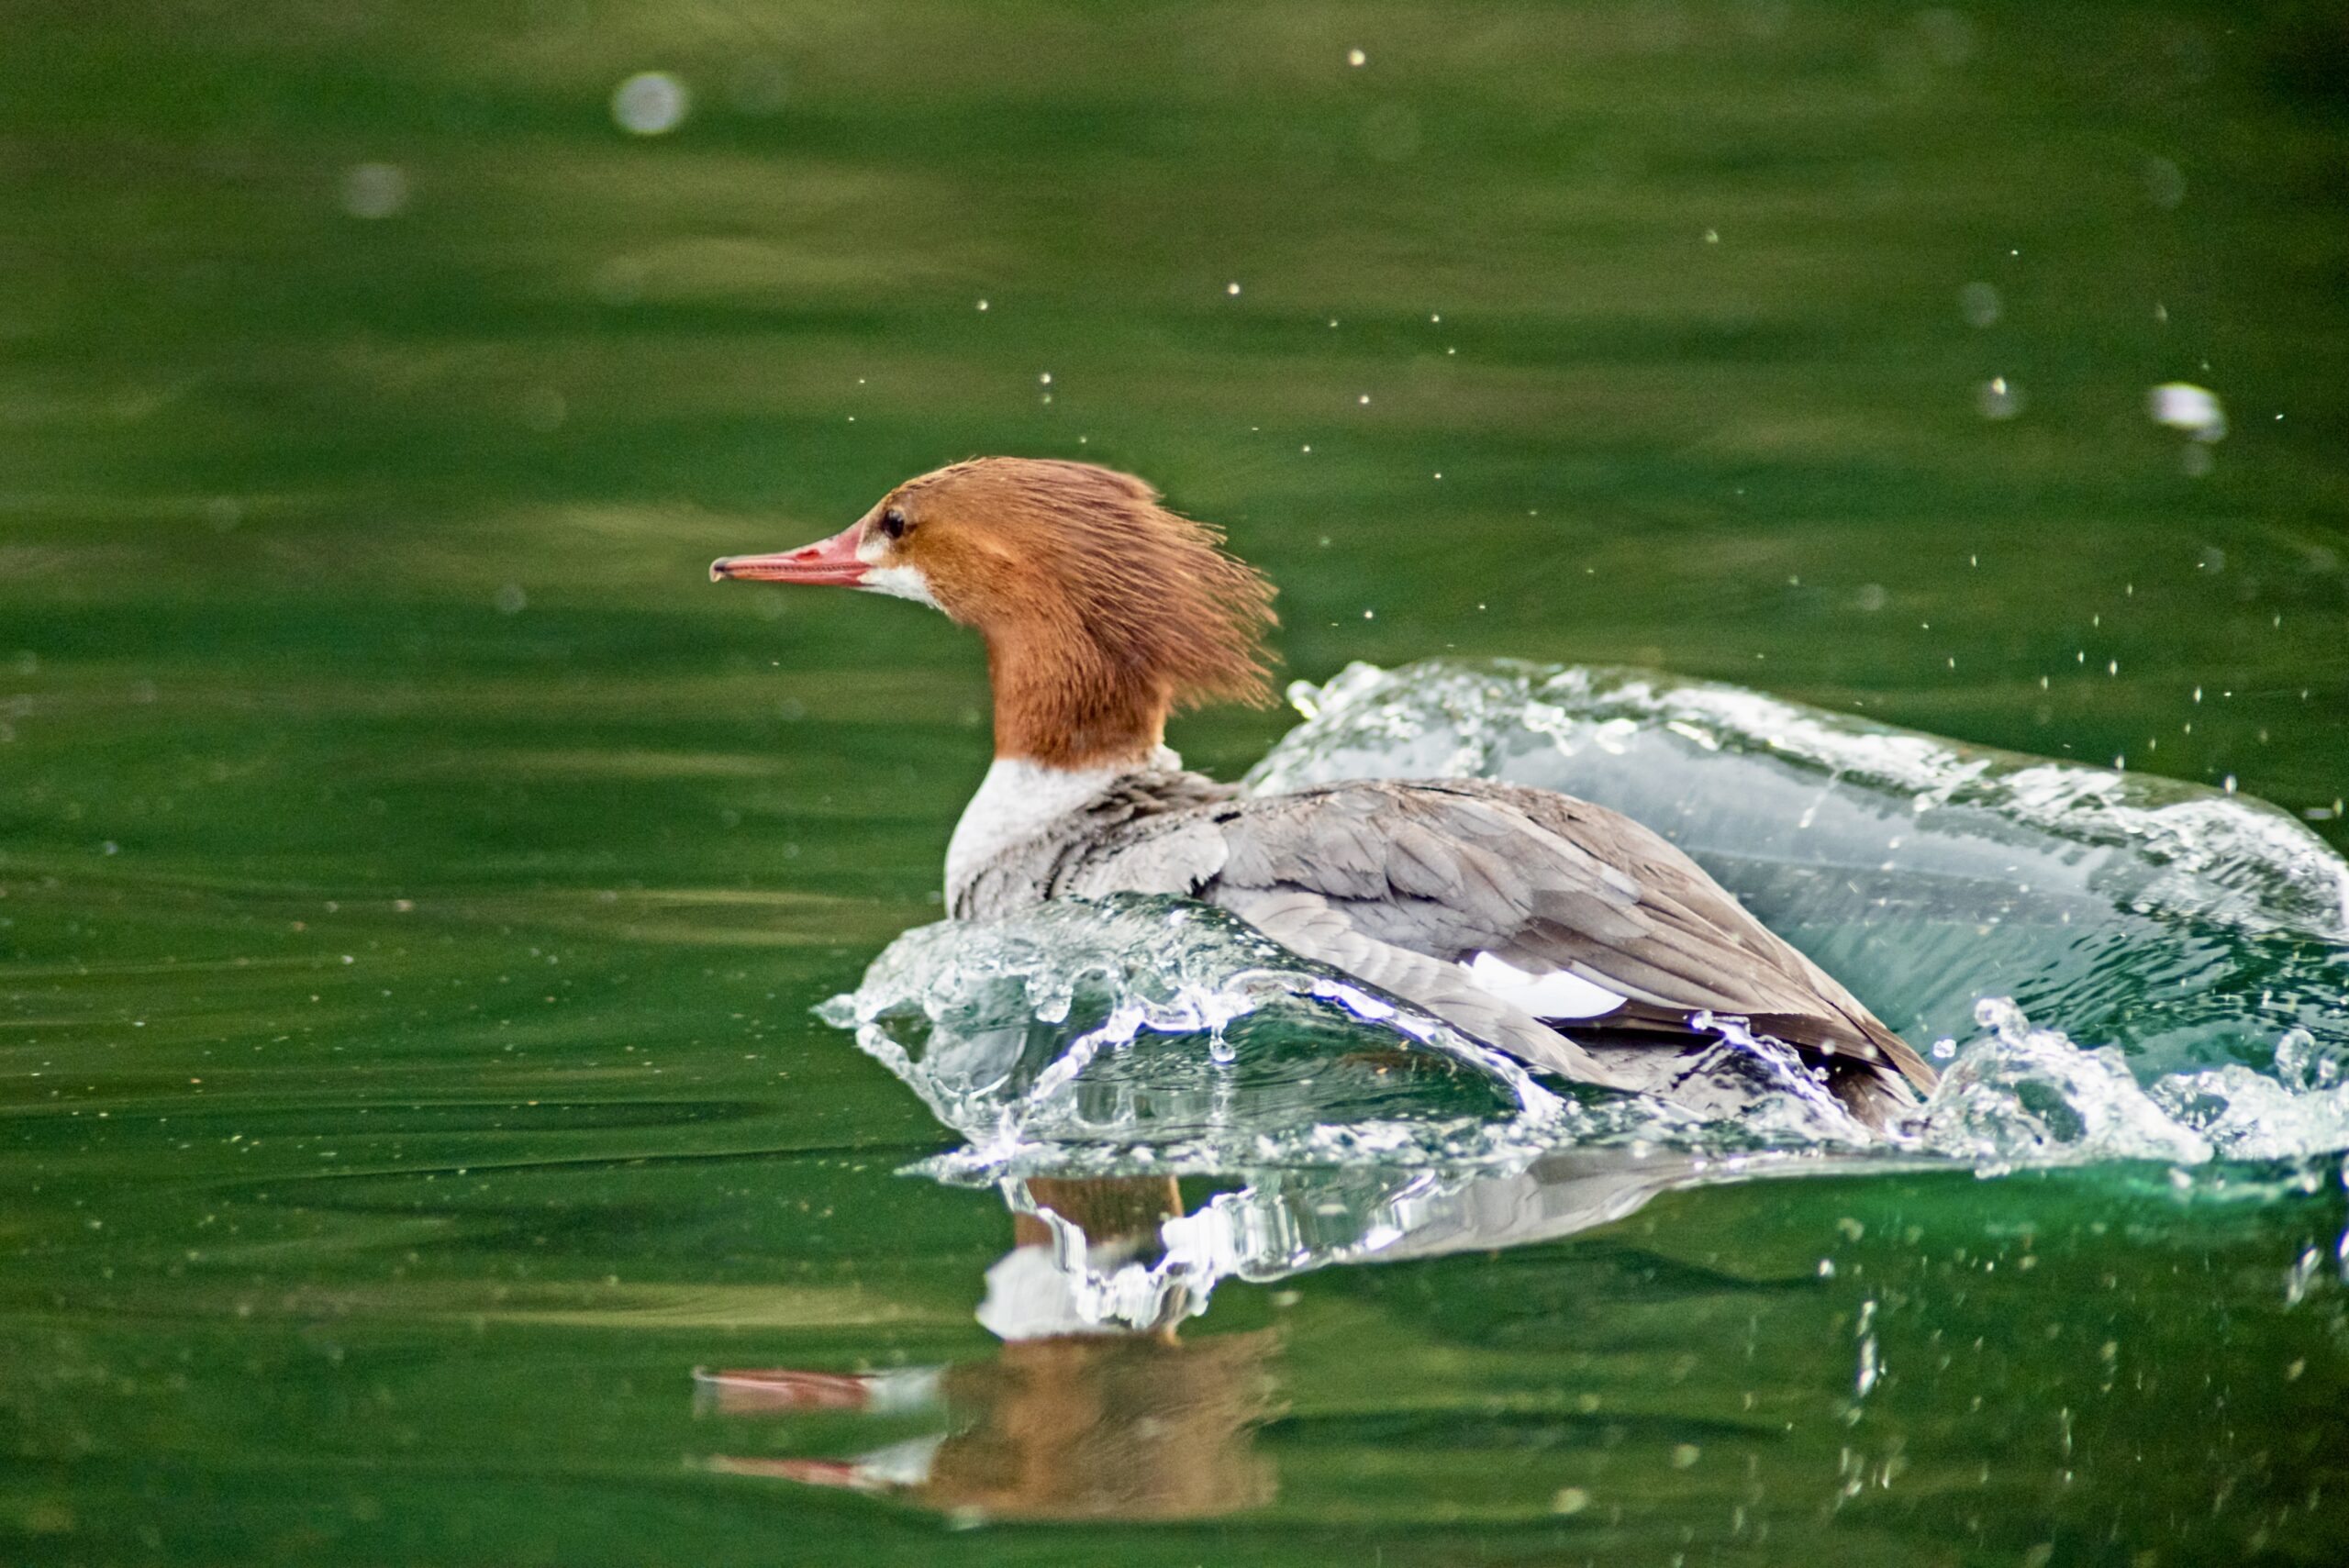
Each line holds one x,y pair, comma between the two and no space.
1101,609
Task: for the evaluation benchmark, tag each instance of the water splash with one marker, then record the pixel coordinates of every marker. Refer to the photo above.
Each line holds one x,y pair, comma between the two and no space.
2141,839
1153,1034
2196,941
2186,926
1144,1032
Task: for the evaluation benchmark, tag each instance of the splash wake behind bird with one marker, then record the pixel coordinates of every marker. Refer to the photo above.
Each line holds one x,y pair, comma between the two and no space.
1154,1034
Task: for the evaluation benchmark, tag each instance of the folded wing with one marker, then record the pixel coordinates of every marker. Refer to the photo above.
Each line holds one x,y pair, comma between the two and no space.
1464,896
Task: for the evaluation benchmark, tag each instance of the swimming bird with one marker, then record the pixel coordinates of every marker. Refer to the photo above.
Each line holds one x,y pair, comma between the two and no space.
1562,932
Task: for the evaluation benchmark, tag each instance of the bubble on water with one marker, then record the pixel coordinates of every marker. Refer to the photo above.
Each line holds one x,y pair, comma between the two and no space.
1998,398
1980,304
2182,405
650,102
374,191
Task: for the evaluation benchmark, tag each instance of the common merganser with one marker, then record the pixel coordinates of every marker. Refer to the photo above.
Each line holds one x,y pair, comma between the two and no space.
1562,932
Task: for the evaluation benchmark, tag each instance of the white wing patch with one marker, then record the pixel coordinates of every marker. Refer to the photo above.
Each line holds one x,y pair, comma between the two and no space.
1556,995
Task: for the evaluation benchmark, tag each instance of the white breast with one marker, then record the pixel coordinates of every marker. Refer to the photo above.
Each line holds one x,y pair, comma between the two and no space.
1019,800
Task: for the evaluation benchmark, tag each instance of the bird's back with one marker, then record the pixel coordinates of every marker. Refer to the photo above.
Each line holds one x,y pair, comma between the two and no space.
1563,932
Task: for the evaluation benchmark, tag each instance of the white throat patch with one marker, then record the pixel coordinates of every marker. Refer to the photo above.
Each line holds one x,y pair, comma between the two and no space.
897,582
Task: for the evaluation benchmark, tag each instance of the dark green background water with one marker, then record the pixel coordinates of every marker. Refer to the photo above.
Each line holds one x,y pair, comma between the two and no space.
414,877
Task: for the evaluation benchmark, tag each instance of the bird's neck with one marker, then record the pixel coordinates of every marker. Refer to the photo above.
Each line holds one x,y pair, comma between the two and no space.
1064,703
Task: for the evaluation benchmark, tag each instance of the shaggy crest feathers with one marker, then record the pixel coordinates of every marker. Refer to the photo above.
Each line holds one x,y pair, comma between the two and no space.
1102,611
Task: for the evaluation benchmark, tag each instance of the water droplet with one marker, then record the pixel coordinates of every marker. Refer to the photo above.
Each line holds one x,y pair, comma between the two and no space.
1980,304
374,189
650,102
2182,405
1999,399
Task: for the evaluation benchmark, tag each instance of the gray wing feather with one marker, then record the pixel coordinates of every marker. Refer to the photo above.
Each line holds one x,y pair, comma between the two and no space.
1179,857
1448,869
1399,882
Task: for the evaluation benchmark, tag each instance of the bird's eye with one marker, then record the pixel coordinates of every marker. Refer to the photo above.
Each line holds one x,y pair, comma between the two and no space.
892,523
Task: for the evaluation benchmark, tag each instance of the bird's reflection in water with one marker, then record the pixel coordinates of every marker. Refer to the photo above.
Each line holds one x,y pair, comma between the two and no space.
1078,1418
1096,1407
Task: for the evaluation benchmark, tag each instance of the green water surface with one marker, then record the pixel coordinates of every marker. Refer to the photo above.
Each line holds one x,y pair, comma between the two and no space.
415,876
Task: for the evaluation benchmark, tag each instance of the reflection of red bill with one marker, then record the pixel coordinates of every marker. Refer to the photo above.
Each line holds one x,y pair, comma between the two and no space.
743,1391
890,1469
752,1391
807,1472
